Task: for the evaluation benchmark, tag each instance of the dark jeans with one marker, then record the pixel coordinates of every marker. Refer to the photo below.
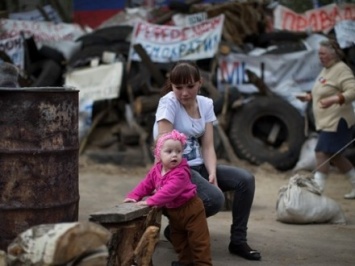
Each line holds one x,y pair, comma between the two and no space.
229,178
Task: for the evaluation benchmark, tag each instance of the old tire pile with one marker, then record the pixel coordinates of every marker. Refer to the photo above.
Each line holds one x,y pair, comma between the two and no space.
267,129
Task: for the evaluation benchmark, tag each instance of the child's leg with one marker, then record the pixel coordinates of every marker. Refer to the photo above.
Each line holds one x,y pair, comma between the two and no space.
189,233
178,236
198,233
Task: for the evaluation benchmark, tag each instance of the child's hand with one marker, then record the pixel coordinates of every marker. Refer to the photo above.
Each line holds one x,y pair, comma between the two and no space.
142,203
129,200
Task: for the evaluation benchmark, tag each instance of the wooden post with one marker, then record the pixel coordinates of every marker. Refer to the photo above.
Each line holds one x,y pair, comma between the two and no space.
135,232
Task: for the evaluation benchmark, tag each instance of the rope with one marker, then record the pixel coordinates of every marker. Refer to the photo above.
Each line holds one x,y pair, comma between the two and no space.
335,154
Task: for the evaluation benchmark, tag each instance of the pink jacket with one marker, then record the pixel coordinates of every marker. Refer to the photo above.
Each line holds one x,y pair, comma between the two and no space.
171,190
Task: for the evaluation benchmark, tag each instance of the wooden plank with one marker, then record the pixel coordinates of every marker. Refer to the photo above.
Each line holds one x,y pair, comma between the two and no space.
227,146
275,131
123,212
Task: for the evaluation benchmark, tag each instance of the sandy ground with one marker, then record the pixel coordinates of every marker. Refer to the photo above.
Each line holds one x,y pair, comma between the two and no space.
104,185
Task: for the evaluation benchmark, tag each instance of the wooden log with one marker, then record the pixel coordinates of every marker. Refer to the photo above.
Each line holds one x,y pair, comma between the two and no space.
56,244
227,146
166,17
259,83
128,135
208,85
146,103
95,122
145,248
143,135
128,222
123,242
93,260
96,257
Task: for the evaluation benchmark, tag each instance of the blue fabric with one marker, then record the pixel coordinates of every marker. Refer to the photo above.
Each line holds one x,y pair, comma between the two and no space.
92,5
89,5
332,142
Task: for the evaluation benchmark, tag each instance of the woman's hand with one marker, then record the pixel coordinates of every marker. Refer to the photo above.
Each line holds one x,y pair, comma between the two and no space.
304,96
328,101
213,179
129,200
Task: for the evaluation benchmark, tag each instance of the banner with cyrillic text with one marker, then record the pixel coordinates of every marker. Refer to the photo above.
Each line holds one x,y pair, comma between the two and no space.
13,47
42,31
317,20
35,15
60,36
300,68
165,43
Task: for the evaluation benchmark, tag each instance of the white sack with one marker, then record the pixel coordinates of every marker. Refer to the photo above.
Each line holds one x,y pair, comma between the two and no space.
300,202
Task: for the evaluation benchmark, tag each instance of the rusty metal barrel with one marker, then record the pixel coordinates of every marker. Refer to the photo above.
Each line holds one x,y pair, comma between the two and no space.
39,149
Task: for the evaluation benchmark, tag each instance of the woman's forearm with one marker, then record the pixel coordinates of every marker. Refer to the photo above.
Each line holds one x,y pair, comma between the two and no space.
209,156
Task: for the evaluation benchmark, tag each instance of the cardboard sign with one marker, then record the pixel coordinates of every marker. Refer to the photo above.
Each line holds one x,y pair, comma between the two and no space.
97,83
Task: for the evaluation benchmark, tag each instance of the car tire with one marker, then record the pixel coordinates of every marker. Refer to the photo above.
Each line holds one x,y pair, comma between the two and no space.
251,134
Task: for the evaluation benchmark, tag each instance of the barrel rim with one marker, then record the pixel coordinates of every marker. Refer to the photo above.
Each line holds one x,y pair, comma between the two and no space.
39,89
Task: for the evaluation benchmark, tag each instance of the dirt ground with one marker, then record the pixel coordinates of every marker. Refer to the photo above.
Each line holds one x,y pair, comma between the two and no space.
104,185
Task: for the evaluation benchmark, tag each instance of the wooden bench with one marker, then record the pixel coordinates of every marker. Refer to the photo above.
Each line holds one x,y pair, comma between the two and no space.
135,232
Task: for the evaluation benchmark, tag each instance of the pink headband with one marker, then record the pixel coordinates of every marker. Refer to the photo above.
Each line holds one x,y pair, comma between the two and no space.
175,135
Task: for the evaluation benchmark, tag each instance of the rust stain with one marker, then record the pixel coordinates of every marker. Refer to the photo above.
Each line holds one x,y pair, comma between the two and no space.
38,159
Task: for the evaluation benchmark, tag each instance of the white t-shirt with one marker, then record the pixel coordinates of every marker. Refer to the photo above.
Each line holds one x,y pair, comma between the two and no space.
171,109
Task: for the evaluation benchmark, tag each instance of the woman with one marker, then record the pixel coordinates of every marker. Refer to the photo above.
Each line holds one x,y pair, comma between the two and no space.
332,96
182,109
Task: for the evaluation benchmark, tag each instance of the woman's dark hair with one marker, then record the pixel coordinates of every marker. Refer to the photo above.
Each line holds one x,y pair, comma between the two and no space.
183,72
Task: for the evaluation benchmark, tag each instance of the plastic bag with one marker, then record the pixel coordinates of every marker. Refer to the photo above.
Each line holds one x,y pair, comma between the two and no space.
301,202
307,158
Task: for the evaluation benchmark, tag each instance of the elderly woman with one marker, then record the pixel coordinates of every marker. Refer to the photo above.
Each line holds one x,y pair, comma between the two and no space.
332,96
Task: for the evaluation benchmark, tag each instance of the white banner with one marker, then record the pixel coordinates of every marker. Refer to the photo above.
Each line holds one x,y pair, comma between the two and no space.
172,43
13,47
42,31
36,15
299,68
97,83
60,36
318,20
345,33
